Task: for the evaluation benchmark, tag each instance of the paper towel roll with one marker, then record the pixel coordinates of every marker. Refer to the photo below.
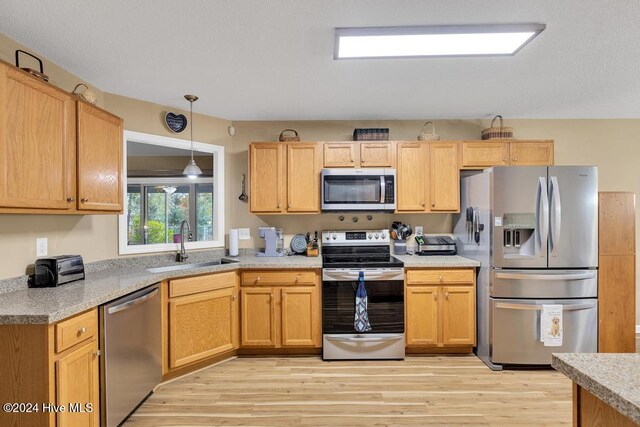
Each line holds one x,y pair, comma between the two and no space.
233,242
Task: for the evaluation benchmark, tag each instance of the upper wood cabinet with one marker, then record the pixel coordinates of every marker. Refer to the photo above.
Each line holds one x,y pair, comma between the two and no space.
358,154
412,176
483,154
340,154
37,143
303,177
428,178
99,159
376,154
266,177
444,177
55,151
531,153
284,177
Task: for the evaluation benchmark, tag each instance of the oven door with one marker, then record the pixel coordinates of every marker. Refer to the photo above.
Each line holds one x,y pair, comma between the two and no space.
385,297
357,189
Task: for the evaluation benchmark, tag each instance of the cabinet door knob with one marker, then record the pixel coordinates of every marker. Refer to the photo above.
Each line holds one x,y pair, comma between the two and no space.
424,204
233,297
433,205
82,330
435,296
289,205
441,277
515,159
71,199
446,295
84,200
362,160
258,279
504,159
278,205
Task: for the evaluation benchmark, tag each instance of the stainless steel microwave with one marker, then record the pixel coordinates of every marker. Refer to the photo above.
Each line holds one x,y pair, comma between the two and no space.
358,190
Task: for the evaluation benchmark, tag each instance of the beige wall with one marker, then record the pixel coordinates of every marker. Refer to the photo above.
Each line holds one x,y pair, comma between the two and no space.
612,145
93,236
609,144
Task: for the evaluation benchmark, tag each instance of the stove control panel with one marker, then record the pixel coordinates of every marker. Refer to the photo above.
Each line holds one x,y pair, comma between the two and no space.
356,237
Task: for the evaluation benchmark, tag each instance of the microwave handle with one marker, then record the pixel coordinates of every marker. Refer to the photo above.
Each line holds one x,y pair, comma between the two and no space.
382,188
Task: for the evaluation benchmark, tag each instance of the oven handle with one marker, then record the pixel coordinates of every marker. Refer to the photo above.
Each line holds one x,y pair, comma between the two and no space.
382,188
338,276
364,339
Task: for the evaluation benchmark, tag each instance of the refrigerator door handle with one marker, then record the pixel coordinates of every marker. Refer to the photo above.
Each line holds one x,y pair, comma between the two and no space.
570,276
556,215
568,307
543,217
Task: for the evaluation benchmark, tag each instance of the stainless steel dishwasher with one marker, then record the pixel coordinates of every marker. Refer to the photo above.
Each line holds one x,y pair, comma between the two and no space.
131,344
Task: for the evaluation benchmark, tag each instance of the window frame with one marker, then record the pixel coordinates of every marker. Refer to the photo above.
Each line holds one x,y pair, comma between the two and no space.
217,152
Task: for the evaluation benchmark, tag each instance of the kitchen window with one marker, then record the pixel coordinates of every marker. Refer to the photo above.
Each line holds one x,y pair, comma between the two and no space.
155,211
158,197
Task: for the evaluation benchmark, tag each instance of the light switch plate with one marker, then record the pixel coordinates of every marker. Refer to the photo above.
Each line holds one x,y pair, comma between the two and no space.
42,244
244,234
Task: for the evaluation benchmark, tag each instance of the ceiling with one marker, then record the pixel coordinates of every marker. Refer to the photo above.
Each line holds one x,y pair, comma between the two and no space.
138,149
273,60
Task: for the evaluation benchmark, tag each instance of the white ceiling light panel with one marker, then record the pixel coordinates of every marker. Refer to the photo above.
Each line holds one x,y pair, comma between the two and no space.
435,41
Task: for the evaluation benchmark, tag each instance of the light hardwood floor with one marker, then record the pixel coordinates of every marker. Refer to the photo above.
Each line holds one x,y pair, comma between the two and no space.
306,391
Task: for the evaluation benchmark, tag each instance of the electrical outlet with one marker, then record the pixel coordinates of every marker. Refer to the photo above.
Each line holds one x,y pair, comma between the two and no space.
244,233
418,230
42,244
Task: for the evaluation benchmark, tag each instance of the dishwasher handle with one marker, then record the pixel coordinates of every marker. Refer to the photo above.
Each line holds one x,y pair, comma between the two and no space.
133,302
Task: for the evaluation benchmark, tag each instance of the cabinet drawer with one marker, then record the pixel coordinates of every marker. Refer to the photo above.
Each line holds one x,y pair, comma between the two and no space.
433,276
279,278
76,330
194,285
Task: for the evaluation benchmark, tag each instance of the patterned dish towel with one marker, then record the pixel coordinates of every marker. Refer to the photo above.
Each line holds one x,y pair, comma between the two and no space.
361,321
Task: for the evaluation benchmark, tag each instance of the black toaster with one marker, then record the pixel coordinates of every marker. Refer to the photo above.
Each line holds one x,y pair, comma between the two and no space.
54,271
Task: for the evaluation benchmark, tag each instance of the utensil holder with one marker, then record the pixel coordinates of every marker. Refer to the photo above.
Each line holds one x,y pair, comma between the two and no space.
400,247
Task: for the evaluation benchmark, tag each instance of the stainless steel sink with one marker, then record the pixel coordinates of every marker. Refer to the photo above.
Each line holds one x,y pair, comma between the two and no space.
187,266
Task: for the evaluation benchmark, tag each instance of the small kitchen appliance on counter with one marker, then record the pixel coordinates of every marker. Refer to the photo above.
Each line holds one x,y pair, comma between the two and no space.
53,271
435,245
346,255
273,242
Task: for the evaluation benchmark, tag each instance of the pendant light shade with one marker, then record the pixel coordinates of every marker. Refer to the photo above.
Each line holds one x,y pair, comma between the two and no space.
191,170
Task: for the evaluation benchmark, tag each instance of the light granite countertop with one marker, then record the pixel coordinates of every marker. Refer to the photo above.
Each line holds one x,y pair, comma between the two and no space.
112,279
443,261
614,378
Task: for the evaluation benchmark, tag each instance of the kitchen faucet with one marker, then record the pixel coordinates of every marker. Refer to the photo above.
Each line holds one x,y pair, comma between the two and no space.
182,255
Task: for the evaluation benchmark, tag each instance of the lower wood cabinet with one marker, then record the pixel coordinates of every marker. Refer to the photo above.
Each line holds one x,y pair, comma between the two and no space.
56,364
280,316
203,319
77,384
441,308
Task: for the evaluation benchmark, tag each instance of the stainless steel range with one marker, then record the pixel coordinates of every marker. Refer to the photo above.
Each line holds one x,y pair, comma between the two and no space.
345,255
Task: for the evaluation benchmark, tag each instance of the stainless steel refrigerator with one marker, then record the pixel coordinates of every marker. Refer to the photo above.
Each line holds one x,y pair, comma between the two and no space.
534,230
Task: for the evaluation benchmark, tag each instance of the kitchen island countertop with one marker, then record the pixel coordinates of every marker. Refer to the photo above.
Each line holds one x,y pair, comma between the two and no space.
613,378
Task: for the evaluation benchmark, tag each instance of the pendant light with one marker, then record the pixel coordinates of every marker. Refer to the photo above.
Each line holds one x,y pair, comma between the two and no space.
191,170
